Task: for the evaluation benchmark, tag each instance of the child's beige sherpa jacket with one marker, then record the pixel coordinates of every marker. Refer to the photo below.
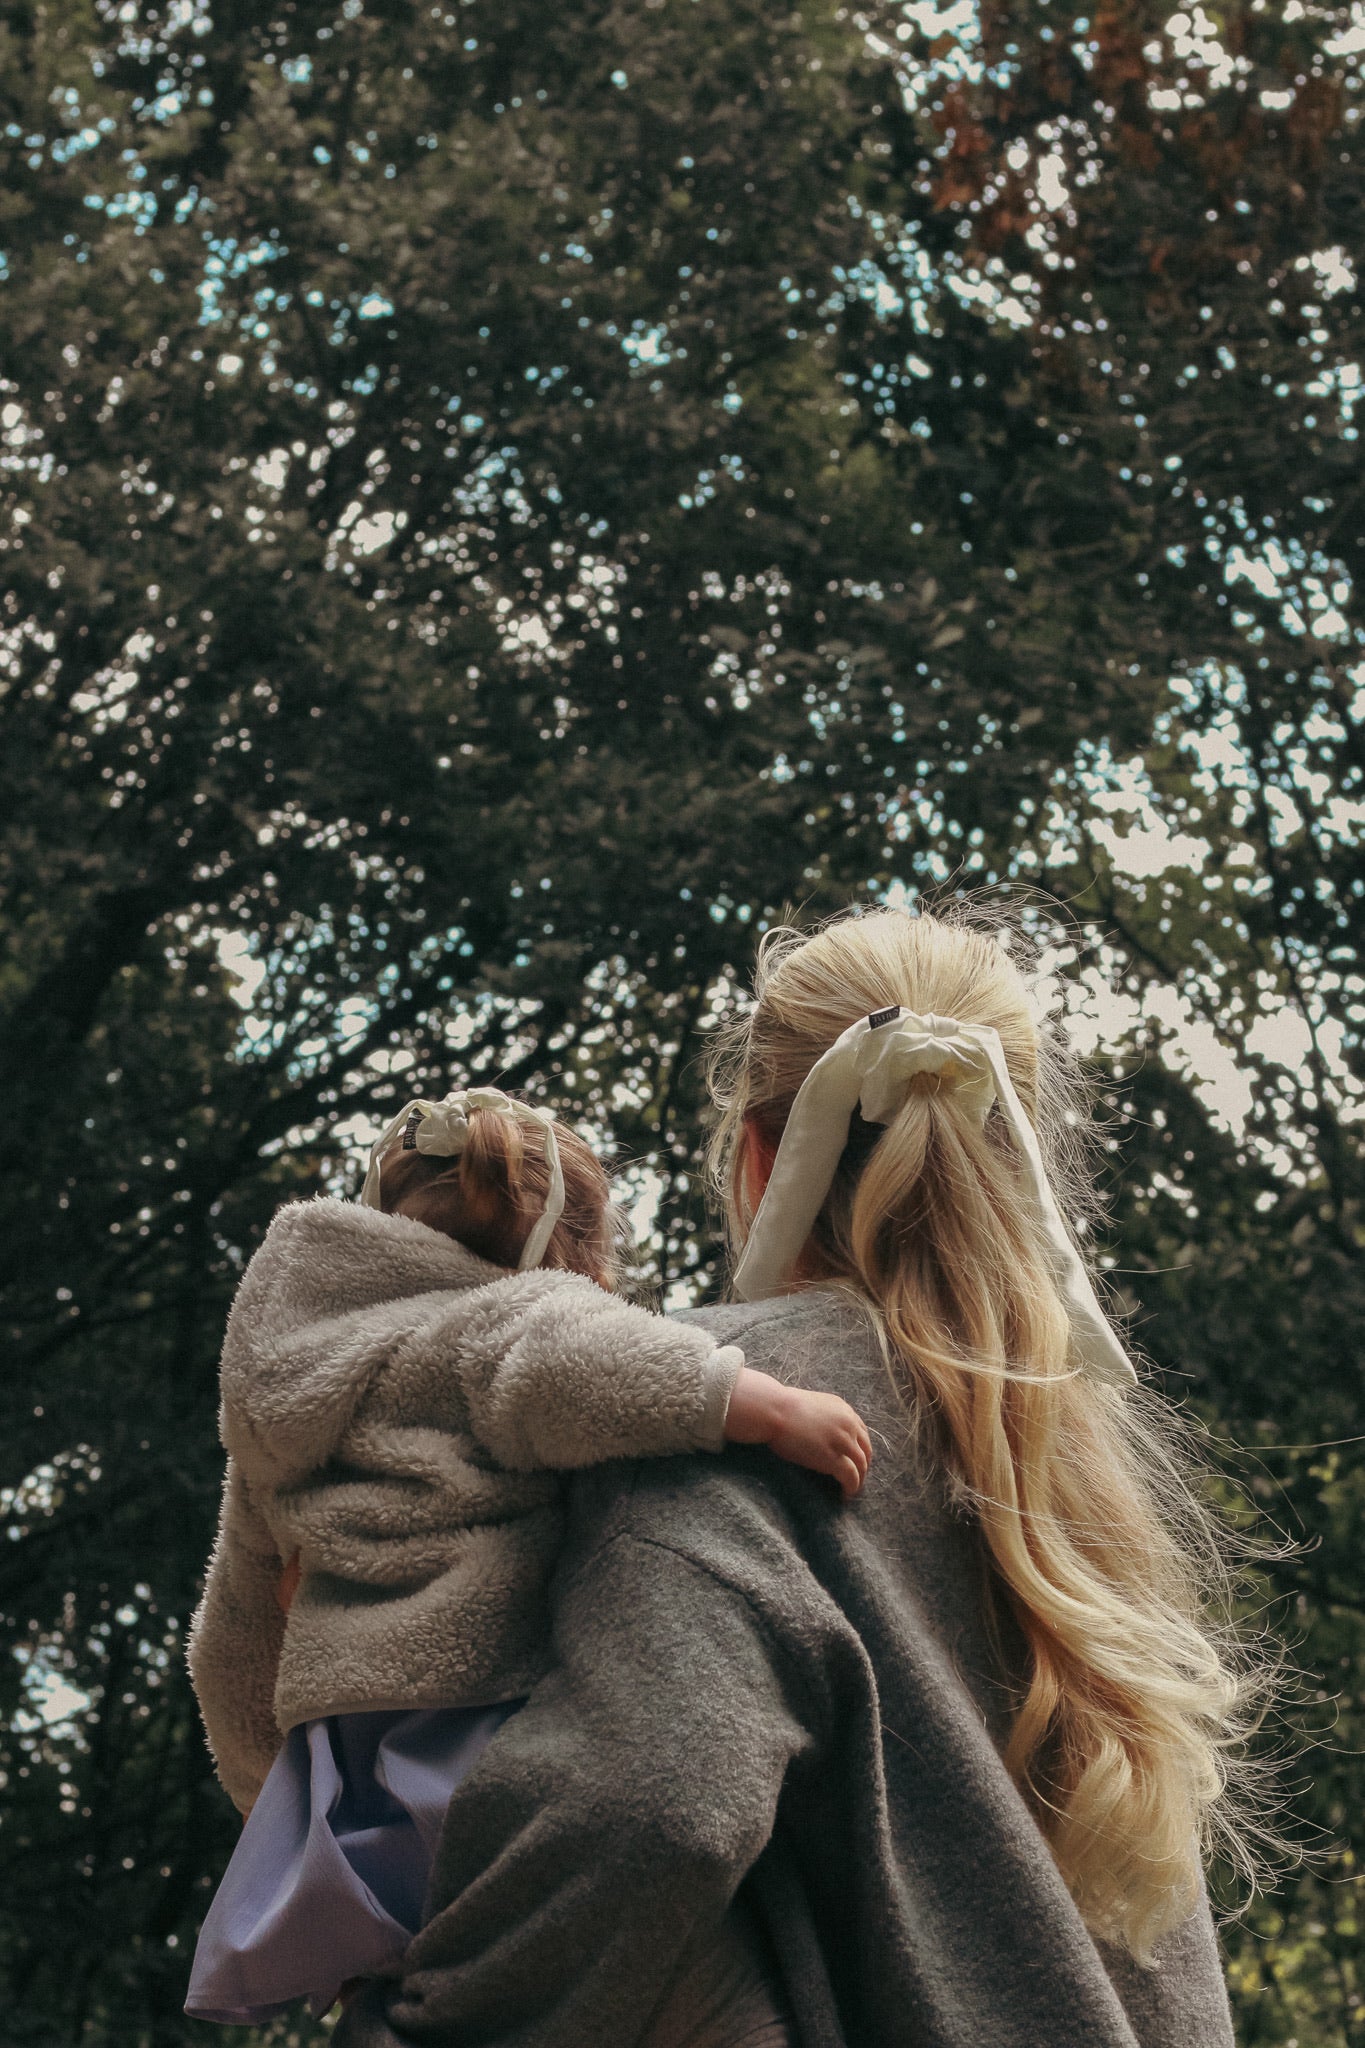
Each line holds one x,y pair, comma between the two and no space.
394,1409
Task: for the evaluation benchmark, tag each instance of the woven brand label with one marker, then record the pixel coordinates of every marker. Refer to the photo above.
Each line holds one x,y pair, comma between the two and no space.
880,1017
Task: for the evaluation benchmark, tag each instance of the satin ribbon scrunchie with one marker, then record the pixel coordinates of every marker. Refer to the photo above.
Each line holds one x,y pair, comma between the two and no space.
871,1067
441,1130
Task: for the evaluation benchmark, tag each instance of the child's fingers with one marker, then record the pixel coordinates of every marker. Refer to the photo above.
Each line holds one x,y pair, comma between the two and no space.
858,1430
860,1443
858,1446
849,1477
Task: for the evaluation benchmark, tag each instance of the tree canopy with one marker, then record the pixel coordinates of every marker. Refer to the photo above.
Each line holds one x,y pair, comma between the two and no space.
501,502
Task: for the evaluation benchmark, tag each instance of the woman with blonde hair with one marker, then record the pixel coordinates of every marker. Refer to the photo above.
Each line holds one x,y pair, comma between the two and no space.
946,1756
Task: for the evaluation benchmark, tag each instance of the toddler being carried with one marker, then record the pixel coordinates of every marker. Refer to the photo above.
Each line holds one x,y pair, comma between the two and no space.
404,1381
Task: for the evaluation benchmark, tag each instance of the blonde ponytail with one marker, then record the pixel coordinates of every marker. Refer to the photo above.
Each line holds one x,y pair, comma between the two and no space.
1097,1542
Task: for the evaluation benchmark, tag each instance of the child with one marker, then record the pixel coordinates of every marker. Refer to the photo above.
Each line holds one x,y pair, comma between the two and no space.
395,1405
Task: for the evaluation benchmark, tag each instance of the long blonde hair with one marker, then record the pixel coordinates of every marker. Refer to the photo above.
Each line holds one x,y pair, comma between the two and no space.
1097,1541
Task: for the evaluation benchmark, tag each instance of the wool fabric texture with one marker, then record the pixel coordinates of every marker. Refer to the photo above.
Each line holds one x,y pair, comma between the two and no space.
757,1684
397,1413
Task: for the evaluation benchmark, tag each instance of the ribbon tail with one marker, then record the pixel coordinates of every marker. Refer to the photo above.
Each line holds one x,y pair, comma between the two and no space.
807,1157
537,1244
369,1193
1096,1344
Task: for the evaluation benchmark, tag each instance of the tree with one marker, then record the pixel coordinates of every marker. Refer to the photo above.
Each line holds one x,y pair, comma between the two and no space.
498,503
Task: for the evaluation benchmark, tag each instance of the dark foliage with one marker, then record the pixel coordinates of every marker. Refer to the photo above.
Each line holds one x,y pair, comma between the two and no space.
500,500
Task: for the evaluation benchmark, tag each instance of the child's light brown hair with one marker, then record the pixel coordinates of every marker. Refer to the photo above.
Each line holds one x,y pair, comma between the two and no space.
490,1196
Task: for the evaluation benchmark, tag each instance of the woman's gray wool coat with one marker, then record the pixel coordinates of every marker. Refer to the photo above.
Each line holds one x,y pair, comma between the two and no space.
396,1412
755,1682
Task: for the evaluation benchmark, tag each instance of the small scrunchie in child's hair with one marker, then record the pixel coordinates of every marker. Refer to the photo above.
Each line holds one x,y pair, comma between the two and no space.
490,1196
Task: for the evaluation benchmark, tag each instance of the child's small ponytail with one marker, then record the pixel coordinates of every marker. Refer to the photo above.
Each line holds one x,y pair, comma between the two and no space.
490,1195
490,1168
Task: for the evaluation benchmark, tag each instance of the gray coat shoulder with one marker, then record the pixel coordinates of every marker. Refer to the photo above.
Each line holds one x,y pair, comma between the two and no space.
815,1338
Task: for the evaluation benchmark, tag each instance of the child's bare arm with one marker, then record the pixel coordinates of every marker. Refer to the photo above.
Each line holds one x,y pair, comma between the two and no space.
818,1431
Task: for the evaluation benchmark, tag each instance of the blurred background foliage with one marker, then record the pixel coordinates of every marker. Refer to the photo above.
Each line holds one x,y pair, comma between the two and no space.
497,500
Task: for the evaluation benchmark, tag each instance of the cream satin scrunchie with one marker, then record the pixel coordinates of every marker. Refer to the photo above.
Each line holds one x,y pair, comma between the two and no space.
441,1129
871,1068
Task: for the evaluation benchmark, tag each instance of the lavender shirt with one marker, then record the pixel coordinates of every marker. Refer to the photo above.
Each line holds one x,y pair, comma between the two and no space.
328,1879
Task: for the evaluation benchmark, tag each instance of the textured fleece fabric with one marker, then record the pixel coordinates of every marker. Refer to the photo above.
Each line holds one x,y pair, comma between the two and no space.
397,1413
757,1682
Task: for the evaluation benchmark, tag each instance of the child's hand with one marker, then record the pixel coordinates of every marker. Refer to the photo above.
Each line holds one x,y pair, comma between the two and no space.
818,1431
825,1435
